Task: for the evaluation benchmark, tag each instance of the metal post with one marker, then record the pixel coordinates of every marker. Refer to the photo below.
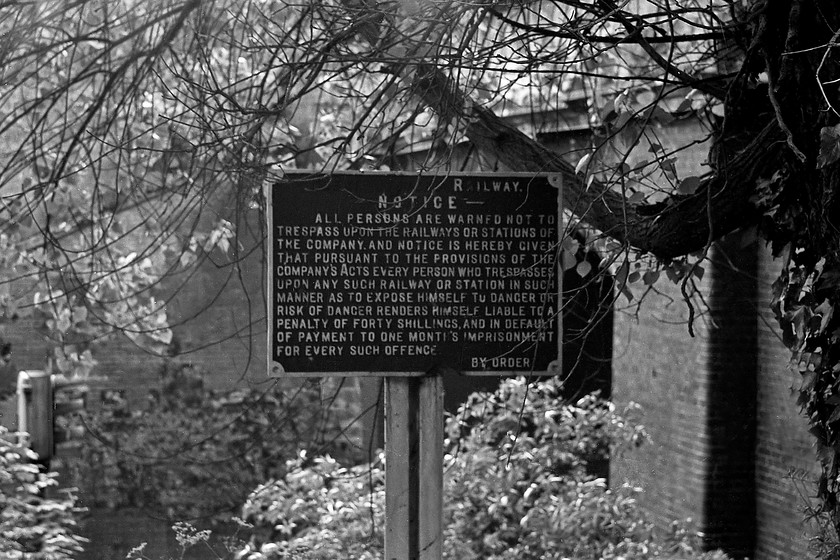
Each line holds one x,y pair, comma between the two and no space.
35,412
24,395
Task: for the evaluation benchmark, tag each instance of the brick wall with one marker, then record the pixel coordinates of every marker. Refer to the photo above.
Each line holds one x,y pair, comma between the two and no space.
656,364
725,427
698,396
219,311
784,450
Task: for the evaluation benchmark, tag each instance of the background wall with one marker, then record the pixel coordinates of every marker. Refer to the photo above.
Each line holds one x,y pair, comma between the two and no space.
658,366
785,463
719,407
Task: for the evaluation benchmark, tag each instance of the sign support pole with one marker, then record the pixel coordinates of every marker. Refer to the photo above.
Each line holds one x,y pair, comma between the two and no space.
430,506
413,467
368,259
401,490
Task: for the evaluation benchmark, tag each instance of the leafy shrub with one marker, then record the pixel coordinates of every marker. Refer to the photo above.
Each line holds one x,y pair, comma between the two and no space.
192,452
33,525
319,510
518,485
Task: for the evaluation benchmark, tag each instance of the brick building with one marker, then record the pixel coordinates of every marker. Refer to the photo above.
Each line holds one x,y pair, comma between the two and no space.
726,432
729,448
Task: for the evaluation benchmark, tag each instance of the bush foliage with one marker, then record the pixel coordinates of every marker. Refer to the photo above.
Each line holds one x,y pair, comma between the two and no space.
519,485
191,452
33,524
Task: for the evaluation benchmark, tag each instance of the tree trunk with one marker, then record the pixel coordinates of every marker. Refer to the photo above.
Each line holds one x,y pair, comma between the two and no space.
768,168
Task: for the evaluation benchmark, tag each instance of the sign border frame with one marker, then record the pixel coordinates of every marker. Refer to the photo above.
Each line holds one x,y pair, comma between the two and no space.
554,367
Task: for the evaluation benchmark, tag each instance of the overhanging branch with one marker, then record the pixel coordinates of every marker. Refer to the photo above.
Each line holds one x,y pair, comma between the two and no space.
680,225
677,226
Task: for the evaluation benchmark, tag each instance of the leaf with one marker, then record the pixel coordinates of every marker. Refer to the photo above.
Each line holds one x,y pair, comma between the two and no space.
636,197
650,277
829,146
794,322
620,101
581,165
624,168
689,185
634,277
621,273
570,244
835,415
568,260
80,314
668,167
640,165
660,115
833,399
62,323
808,380
824,311
583,268
622,120
187,258
629,133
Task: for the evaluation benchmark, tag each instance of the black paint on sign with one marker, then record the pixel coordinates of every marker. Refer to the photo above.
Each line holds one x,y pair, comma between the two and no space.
399,273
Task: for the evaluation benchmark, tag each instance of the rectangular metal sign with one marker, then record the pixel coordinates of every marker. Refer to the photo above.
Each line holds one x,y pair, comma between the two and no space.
394,274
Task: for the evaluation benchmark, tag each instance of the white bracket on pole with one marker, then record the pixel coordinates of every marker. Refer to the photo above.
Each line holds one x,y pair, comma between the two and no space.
35,411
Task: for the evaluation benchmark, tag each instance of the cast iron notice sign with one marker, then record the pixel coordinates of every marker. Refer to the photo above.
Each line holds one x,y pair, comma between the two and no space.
394,274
